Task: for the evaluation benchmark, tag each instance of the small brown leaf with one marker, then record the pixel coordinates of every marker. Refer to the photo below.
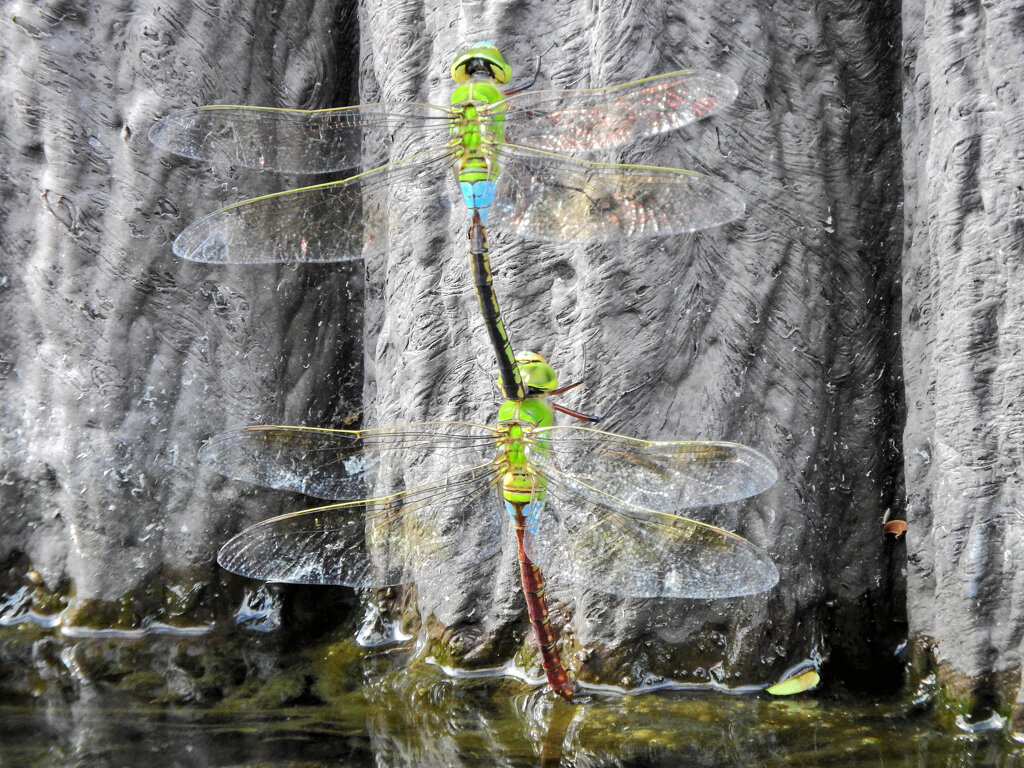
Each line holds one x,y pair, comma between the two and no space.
896,527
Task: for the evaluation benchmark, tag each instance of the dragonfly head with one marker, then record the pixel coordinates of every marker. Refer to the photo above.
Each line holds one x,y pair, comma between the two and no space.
481,59
538,376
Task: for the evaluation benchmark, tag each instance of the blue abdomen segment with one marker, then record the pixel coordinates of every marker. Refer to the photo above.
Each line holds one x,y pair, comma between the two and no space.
478,196
530,512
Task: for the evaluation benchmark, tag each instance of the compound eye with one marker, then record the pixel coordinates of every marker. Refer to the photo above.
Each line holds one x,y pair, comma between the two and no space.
483,58
536,373
478,67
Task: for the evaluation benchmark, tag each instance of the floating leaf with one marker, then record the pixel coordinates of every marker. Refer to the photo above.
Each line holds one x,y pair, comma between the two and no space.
804,681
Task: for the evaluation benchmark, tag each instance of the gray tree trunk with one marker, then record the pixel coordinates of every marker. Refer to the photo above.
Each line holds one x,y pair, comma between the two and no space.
780,331
963,329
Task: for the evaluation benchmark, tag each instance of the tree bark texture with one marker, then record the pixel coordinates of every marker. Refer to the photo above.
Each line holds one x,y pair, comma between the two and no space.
781,331
116,353
963,330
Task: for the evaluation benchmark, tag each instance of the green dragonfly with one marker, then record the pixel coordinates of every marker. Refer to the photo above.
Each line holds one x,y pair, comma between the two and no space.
422,502
508,153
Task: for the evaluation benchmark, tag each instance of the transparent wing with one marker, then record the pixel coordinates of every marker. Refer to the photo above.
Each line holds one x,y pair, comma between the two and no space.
608,521
579,541
557,198
292,140
583,120
337,221
345,464
423,533
630,474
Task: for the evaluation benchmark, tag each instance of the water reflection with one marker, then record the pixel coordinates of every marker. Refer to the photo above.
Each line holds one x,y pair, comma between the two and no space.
317,698
425,718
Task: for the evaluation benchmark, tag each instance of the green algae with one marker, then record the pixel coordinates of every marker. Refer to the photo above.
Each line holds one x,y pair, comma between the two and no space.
48,602
961,702
172,599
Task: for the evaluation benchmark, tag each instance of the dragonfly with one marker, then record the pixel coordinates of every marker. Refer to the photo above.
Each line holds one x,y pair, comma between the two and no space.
510,154
436,500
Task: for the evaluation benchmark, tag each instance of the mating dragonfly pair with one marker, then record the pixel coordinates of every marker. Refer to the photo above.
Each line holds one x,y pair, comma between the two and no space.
586,507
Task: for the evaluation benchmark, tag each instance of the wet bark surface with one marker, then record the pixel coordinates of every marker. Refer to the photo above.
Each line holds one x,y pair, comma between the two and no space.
119,358
781,331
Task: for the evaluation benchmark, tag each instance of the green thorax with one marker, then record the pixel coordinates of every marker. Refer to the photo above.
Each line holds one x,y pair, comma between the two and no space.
522,485
518,419
532,411
478,127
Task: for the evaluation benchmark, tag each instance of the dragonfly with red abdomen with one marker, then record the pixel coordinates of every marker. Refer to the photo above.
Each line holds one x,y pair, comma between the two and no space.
589,507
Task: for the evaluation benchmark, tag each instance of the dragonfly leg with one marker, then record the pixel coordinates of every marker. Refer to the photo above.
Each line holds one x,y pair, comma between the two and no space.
566,388
607,411
533,78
